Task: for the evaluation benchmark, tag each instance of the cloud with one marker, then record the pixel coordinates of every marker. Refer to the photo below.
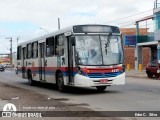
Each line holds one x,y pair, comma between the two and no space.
46,12
25,17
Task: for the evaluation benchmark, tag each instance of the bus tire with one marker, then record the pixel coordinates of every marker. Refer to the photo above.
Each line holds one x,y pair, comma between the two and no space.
60,83
30,80
101,88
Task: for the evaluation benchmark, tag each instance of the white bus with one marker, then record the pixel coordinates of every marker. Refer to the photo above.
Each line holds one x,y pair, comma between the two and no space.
80,55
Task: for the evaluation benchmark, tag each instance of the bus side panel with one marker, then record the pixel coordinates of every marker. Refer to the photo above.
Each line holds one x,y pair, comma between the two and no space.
35,69
50,69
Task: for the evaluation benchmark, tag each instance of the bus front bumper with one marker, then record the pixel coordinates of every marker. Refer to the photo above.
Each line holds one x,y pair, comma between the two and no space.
84,81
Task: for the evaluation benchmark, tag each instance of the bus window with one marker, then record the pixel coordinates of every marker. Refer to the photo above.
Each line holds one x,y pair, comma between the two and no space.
59,45
24,53
19,53
35,49
50,46
29,51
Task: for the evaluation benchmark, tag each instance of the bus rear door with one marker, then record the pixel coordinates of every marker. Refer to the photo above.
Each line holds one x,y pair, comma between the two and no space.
42,61
24,62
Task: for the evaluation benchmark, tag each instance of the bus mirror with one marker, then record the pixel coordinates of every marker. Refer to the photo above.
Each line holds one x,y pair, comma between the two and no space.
73,41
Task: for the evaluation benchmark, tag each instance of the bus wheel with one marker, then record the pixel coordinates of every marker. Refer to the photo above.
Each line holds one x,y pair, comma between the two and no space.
101,88
60,83
30,80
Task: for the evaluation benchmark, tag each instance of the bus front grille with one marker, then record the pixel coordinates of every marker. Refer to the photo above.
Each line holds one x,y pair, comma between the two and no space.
103,75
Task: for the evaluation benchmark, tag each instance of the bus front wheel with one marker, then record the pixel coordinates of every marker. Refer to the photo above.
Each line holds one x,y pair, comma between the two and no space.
60,83
101,88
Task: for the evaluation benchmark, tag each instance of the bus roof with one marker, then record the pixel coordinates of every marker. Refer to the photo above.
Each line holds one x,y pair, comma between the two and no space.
70,28
47,35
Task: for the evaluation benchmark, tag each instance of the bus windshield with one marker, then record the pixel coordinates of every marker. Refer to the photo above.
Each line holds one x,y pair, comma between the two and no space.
98,49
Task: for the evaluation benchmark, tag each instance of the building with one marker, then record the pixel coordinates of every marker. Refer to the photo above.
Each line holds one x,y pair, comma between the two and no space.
146,41
156,12
4,60
129,51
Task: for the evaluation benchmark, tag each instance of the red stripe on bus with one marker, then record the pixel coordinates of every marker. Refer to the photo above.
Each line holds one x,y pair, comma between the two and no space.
100,70
63,69
47,68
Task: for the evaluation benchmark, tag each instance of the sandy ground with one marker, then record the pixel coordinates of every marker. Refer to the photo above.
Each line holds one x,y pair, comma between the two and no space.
27,100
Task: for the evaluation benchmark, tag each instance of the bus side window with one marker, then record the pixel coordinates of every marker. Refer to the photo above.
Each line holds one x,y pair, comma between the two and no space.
24,53
29,51
50,46
59,45
35,50
19,53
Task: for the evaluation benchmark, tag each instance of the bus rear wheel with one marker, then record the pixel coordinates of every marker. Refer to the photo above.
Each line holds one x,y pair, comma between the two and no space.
30,80
101,88
60,83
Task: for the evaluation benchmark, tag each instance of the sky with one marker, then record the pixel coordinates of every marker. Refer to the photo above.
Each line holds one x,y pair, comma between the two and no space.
23,18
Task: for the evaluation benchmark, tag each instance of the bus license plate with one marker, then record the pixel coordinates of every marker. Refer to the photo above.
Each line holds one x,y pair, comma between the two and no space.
104,81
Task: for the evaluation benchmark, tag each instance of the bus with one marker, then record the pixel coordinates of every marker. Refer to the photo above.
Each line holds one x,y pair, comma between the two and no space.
88,55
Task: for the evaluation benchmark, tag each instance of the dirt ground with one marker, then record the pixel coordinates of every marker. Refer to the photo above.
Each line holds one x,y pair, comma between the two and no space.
27,100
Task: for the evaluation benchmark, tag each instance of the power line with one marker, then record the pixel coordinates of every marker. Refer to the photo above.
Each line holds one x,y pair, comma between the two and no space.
4,45
126,22
127,25
128,16
132,23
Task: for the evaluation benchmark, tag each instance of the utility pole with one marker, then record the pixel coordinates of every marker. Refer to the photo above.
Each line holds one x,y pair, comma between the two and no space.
136,48
59,26
17,40
10,51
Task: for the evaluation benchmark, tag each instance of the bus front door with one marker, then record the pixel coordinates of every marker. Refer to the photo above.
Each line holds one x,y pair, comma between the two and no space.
42,61
70,60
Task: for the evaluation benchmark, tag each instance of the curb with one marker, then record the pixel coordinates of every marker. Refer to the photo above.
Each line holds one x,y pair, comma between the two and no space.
135,76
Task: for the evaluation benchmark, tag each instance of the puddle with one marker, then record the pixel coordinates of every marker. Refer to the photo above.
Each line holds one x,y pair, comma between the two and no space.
61,99
152,90
5,98
15,98
81,104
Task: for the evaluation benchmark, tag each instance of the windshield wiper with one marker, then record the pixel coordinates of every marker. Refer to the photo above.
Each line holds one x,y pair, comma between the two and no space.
108,42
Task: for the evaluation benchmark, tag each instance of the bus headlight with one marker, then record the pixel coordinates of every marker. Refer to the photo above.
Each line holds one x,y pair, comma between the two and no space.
123,69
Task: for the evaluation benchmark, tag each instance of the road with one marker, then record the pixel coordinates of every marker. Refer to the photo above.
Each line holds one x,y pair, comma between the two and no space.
139,94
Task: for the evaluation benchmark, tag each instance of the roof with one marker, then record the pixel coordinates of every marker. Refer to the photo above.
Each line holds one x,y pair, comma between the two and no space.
148,43
145,18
